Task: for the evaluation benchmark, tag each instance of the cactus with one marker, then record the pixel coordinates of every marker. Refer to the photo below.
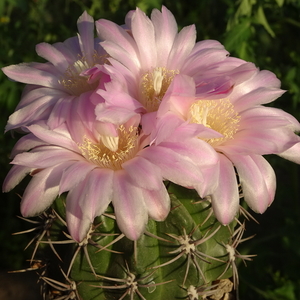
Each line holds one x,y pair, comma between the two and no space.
141,144
188,256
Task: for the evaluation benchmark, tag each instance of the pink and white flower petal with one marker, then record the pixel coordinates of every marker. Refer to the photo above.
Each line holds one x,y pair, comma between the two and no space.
15,175
257,179
44,157
175,167
85,25
74,174
25,143
182,47
225,198
166,29
292,154
34,73
157,202
144,35
60,136
78,226
53,55
88,200
129,206
42,190
143,173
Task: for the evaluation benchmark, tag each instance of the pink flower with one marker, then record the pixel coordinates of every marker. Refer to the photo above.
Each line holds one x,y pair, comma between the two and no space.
69,78
249,130
145,57
98,163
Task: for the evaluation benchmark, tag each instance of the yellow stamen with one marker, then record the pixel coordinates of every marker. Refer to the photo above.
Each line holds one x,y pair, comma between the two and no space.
154,85
112,155
218,115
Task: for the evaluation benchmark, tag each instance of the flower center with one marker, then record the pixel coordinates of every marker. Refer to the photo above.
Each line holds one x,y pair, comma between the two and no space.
74,79
154,85
110,152
218,115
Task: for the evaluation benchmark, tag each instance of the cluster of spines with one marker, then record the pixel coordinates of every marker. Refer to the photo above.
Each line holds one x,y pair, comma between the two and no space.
131,281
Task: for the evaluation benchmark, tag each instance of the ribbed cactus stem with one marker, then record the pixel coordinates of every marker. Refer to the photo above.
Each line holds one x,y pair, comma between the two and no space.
190,255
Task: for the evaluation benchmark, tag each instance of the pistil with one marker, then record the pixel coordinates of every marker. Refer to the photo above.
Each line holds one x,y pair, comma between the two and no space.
154,85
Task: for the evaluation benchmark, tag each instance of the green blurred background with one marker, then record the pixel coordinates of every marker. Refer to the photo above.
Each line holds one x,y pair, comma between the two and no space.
265,32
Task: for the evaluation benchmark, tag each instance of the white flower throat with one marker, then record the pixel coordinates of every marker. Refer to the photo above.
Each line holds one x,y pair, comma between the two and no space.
112,152
154,85
218,115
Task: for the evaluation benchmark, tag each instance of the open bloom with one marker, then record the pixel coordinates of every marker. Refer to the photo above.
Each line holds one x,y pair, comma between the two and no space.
68,79
248,131
99,163
146,55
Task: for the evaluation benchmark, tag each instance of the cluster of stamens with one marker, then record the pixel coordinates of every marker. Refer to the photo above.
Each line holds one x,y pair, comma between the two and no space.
74,79
218,115
114,153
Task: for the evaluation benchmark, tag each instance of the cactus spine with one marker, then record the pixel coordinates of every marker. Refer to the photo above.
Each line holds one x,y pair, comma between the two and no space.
190,255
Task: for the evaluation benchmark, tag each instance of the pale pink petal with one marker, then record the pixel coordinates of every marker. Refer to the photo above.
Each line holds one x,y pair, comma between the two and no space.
268,175
31,74
262,117
157,202
53,137
165,127
182,47
44,157
261,95
122,80
60,112
186,131
78,226
98,192
203,59
259,141
174,167
117,40
34,93
179,97
143,34
292,154
74,174
204,158
113,114
256,178
265,79
30,113
87,200
225,199
214,88
25,143
70,48
54,56
143,173
165,27
15,175
207,44
148,122
129,206
42,190
116,51
85,25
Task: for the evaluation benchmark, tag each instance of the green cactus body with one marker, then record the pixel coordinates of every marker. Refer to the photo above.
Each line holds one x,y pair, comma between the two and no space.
183,257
